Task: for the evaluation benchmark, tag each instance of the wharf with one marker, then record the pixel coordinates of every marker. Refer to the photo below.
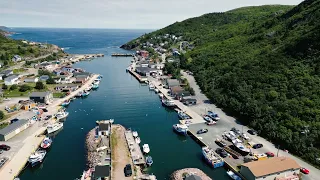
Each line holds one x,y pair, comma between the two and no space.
141,79
135,150
121,55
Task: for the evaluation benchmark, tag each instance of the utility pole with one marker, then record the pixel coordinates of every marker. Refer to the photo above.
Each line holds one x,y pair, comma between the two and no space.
278,151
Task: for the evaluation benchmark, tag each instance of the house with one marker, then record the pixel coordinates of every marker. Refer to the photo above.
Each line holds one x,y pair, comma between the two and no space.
152,65
81,78
175,90
181,95
172,82
57,80
144,54
146,71
27,105
193,177
11,80
66,79
103,129
44,78
68,69
46,66
82,73
16,58
142,63
13,129
6,72
275,168
101,172
42,97
31,80
67,87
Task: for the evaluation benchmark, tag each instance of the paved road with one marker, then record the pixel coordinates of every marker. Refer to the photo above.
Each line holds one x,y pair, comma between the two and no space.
228,122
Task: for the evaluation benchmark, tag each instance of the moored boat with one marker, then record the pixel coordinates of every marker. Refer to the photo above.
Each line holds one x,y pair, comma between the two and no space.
138,140
168,103
89,87
61,115
149,160
182,115
135,134
151,87
160,95
146,148
181,129
95,86
85,93
212,158
46,143
37,157
79,94
156,90
54,127
65,103
233,176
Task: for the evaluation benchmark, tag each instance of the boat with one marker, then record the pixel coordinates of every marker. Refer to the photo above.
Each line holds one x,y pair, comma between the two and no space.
156,90
168,103
135,134
233,176
85,93
89,87
73,98
181,128
212,158
46,143
96,81
210,123
65,103
151,87
79,94
213,115
54,127
138,140
37,157
95,86
240,147
146,148
160,95
207,118
61,115
201,131
182,115
149,160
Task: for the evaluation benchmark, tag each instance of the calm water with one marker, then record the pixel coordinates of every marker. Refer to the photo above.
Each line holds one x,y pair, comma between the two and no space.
119,97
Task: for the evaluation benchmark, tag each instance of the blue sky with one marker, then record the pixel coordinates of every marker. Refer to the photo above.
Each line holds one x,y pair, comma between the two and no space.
124,14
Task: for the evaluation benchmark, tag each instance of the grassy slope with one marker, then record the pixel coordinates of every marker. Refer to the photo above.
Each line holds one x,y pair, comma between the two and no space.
263,64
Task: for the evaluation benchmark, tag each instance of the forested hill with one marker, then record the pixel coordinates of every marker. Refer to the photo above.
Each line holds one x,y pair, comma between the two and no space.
262,63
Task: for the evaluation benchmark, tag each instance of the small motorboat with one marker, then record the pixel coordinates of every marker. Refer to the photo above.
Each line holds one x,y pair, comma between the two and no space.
54,127
138,140
46,143
149,160
65,103
135,134
151,87
146,148
160,95
95,86
201,131
181,129
61,115
207,118
37,157
85,93
233,176
210,123
79,94
156,90
89,87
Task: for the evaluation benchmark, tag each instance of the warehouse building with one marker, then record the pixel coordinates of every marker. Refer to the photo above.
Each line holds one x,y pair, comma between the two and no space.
42,97
13,129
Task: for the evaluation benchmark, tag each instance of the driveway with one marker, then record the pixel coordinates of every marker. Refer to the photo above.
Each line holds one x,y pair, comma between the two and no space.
227,122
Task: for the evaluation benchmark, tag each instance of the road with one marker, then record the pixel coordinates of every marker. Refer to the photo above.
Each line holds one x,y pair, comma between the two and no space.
20,64
228,122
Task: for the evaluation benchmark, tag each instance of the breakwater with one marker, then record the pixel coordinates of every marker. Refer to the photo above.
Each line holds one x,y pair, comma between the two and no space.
183,173
91,146
121,55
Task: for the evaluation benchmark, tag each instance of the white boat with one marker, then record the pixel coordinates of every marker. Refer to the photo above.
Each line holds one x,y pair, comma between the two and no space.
156,90
151,86
241,148
135,134
89,87
138,140
61,115
181,128
160,95
212,158
168,103
54,127
146,148
37,157
46,143
233,176
149,160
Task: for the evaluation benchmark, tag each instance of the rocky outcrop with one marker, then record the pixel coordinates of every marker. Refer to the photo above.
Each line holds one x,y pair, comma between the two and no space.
183,173
91,145
129,46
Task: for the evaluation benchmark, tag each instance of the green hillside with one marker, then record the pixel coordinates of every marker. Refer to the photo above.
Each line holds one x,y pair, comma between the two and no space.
263,65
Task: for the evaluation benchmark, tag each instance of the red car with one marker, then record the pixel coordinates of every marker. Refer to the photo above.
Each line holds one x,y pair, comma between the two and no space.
304,171
269,154
5,147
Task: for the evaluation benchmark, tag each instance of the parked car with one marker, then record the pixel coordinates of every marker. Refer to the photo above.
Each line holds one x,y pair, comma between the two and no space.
252,132
257,146
269,154
5,147
128,170
220,143
304,170
201,131
48,117
221,152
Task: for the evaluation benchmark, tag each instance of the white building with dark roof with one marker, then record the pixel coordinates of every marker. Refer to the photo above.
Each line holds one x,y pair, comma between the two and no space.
13,129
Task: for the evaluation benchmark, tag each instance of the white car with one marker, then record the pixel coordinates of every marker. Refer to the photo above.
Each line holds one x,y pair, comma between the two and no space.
245,136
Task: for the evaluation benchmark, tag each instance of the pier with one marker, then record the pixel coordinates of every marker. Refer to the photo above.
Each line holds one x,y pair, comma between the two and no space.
141,79
135,150
121,55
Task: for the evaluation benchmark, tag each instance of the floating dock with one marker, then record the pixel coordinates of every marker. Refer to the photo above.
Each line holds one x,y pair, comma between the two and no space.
135,150
121,55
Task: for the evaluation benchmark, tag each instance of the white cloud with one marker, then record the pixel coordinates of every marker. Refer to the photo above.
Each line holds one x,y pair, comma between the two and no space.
142,14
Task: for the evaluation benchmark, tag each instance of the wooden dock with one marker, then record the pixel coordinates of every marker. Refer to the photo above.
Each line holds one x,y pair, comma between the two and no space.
141,79
121,55
135,150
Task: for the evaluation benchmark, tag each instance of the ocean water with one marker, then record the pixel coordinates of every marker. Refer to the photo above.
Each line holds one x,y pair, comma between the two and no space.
119,97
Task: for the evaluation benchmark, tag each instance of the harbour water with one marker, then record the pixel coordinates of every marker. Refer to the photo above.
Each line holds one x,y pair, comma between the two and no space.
119,97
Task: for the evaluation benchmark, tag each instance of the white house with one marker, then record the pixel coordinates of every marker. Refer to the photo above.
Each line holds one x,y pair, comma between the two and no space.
16,58
104,129
11,80
31,80
57,80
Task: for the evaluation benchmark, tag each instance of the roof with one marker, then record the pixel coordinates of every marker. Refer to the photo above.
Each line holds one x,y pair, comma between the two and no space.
176,89
12,77
271,166
101,171
82,73
189,100
40,94
103,127
6,71
173,82
44,76
145,69
81,76
12,127
193,177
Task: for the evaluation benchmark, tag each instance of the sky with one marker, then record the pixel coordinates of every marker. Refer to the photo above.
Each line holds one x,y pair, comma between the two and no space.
116,14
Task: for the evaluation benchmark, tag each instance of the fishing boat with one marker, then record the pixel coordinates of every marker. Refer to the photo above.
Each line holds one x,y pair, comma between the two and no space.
138,140
213,115
96,81
182,115
61,115
73,98
37,157
95,86
65,103
135,134
233,176
85,93
240,147
156,90
160,95
207,118
151,87
54,127
168,103
79,94
180,129
146,148
89,87
46,143
149,160
212,158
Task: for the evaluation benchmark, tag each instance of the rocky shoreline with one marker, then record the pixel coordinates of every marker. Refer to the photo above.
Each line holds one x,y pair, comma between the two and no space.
183,173
91,146
129,47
